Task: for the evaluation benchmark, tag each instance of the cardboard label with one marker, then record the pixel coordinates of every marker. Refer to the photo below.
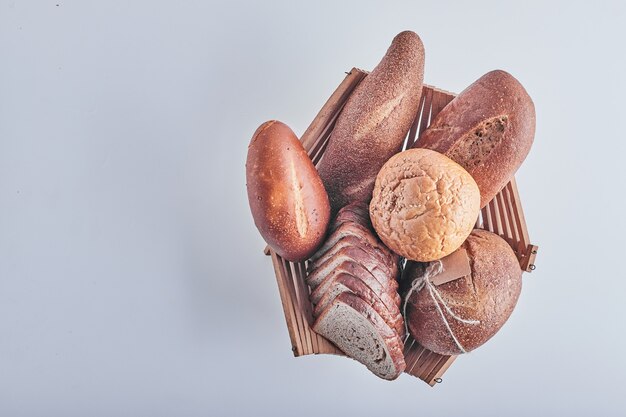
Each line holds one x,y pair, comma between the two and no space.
455,266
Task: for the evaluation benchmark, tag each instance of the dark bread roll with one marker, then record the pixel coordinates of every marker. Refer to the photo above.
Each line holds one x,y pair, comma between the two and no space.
374,122
286,195
471,309
488,129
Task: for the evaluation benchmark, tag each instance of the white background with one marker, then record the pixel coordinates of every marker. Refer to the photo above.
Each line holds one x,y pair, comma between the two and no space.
132,280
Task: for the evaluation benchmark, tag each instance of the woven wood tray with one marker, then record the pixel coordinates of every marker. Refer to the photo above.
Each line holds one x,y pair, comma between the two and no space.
503,215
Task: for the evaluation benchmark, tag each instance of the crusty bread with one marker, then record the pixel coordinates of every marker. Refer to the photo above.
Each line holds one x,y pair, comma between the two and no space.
374,122
424,205
488,129
359,331
287,198
344,282
487,297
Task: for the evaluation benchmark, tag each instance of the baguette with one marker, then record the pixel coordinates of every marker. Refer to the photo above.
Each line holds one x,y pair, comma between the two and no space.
374,122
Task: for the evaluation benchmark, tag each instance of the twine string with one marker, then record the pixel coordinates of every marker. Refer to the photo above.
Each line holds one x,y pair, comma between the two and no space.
433,269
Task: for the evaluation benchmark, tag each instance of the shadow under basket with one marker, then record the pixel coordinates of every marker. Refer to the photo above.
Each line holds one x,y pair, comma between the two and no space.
503,216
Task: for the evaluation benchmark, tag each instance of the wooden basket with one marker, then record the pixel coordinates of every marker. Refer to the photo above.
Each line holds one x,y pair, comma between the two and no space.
503,215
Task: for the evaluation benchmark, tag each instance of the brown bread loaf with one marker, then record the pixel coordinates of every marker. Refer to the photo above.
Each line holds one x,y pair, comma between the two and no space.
488,129
374,122
286,195
460,315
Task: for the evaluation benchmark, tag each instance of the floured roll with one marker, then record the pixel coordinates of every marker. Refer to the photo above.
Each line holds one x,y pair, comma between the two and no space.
424,205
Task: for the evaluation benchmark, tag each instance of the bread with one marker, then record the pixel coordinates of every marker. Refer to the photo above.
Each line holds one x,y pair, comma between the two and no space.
379,252
424,205
484,300
353,253
359,331
348,283
384,288
374,122
355,293
488,129
288,201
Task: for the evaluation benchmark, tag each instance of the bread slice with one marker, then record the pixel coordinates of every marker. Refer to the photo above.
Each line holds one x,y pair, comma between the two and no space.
367,237
356,213
379,252
359,331
347,283
387,291
359,256
344,229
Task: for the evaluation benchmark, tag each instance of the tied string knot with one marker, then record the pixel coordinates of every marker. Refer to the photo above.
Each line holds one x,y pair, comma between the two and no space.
433,269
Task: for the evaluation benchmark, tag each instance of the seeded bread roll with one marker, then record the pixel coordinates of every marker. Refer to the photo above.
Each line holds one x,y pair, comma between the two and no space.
488,129
482,301
424,205
374,122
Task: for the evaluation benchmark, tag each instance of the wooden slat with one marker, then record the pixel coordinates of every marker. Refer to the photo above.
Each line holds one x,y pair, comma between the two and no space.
424,360
495,216
413,131
440,100
479,221
304,346
487,221
519,216
441,360
340,95
317,146
443,368
506,221
425,120
301,299
320,344
287,301
415,357
307,308
528,262
508,202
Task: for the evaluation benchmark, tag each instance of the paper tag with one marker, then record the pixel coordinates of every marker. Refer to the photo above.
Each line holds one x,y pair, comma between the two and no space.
455,266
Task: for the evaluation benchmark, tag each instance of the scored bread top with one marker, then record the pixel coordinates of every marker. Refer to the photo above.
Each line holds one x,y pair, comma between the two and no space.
487,297
488,129
374,122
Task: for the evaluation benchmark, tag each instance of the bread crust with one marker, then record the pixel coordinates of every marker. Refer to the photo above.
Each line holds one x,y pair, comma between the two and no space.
424,205
374,122
287,198
488,129
488,296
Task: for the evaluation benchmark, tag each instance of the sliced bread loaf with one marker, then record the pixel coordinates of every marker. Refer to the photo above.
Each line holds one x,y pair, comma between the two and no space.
355,254
347,283
379,252
387,293
359,331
